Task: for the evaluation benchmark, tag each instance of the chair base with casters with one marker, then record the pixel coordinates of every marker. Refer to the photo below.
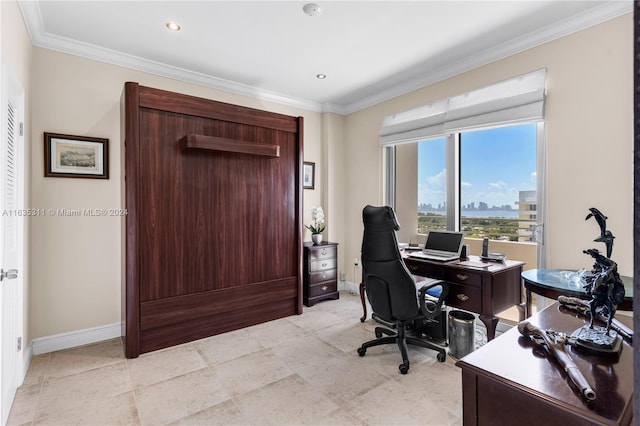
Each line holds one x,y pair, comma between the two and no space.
400,337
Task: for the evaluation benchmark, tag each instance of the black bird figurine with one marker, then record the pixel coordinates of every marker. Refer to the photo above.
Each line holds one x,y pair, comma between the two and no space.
605,236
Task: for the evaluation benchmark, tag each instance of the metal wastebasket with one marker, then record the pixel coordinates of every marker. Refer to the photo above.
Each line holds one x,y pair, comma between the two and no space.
461,333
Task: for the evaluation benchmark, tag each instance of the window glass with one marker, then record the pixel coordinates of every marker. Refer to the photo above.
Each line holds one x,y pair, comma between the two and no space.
497,179
432,182
497,175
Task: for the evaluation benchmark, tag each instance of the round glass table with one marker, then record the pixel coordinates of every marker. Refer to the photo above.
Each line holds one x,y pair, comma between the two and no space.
552,283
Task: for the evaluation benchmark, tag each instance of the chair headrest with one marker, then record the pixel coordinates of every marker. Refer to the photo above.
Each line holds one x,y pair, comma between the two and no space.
379,219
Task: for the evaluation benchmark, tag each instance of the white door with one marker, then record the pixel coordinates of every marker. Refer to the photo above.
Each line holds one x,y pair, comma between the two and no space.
12,215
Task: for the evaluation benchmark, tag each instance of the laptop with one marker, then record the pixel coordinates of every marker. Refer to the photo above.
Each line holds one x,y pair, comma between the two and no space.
442,246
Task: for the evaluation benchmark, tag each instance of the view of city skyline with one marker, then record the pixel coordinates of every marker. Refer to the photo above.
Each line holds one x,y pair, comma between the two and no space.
495,165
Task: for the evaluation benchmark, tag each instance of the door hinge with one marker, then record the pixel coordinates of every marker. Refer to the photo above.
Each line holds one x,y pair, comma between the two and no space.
11,274
21,129
19,344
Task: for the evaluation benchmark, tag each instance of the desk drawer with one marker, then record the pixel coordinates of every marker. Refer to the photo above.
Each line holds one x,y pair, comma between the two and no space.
321,265
323,253
464,297
322,289
463,277
425,269
318,277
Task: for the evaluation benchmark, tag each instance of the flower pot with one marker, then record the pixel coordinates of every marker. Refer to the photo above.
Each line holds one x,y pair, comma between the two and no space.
316,238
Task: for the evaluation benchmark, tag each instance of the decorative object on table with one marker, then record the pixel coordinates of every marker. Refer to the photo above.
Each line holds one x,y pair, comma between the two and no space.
583,308
606,290
309,176
605,235
554,343
317,224
75,156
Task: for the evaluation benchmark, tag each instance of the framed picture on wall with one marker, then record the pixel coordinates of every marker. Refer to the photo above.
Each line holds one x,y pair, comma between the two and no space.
75,156
309,175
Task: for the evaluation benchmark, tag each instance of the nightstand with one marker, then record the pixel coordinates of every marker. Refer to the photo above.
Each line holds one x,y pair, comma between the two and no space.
320,279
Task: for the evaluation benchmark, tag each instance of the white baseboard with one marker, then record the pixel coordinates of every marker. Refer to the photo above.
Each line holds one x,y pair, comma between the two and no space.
43,345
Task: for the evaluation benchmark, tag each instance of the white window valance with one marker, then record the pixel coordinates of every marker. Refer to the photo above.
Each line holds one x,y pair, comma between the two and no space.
517,100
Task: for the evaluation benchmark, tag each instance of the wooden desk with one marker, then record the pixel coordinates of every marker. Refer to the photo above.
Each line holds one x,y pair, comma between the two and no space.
509,381
486,291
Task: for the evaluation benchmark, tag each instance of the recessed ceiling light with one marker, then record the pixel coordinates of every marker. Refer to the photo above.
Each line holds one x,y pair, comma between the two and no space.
311,9
173,26
321,76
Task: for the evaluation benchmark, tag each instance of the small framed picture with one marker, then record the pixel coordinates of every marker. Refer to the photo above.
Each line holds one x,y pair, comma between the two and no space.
75,156
309,175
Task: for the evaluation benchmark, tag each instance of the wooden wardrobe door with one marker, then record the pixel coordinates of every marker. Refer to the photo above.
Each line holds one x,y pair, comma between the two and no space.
218,232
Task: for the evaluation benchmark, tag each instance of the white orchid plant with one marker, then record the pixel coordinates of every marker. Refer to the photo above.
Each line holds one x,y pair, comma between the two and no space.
317,219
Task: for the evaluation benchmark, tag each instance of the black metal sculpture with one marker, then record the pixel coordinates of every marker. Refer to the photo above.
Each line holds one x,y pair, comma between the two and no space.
605,235
604,286
606,290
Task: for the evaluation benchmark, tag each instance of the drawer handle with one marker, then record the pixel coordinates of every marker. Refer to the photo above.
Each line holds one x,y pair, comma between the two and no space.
324,275
324,252
462,277
324,264
462,297
324,288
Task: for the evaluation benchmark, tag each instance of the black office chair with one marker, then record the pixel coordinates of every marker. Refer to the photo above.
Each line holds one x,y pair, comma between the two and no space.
391,289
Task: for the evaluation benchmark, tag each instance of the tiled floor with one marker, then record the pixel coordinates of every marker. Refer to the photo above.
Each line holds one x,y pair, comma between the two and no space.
297,370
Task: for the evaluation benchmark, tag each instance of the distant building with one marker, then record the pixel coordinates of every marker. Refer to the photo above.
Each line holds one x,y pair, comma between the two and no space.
527,215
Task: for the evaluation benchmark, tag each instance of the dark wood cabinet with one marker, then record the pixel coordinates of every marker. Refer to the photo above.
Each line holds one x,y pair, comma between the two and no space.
320,272
510,380
213,231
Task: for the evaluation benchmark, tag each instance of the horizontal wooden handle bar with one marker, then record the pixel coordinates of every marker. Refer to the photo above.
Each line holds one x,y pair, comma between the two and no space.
228,145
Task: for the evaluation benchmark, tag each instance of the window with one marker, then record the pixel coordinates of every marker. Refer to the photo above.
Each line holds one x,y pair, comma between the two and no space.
496,166
470,162
497,180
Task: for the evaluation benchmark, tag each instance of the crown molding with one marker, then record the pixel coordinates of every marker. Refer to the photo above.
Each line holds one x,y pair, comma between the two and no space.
39,37
437,70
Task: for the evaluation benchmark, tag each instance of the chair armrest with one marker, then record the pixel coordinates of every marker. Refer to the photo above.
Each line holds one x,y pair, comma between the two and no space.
428,307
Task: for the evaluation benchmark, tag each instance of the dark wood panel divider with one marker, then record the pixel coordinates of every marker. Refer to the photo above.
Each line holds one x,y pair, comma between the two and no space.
214,226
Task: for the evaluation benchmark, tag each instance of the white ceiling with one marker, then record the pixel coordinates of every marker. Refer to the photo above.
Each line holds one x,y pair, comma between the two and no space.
370,50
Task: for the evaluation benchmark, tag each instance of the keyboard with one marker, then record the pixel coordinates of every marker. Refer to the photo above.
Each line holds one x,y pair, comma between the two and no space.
436,257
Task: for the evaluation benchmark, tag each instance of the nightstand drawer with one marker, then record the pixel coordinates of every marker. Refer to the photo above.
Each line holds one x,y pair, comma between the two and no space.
318,277
323,253
464,297
320,265
463,277
322,289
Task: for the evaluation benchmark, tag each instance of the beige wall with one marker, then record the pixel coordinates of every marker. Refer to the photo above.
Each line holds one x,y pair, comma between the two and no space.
588,133
16,53
76,277
332,172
